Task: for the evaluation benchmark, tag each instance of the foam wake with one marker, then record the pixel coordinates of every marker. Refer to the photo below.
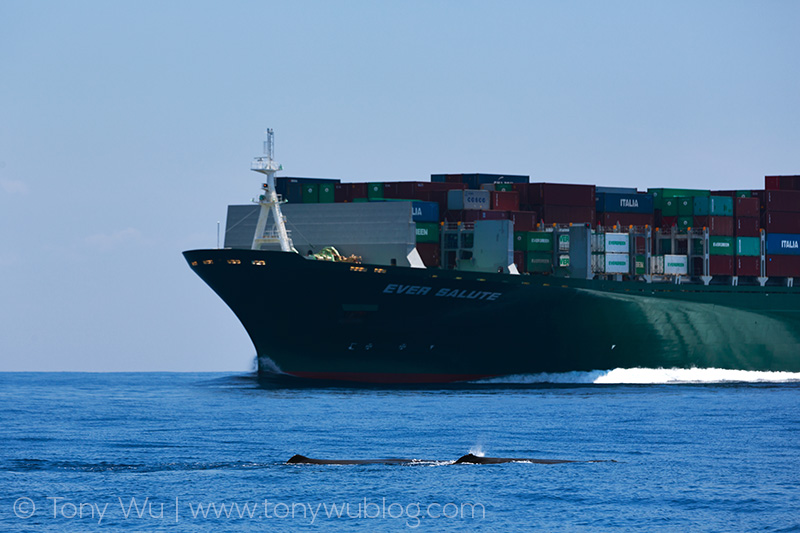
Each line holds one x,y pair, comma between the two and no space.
652,376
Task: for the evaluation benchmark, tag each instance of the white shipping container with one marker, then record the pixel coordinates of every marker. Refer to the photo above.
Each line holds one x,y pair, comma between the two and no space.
676,264
657,264
468,199
617,243
617,263
598,243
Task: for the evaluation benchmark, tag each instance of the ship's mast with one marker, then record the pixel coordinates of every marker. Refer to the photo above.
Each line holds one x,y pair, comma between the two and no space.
269,201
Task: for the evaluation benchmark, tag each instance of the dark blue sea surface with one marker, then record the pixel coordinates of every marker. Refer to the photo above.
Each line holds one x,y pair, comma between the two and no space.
208,452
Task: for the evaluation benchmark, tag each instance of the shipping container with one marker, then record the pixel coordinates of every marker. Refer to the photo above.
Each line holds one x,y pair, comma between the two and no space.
617,263
424,211
375,191
523,220
734,194
467,199
294,193
720,265
430,253
746,207
783,266
781,222
326,193
342,192
617,243
504,187
715,225
561,194
539,241
359,190
676,264
685,206
282,183
504,200
747,266
539,262
783,244
660,195
427,232
720,245
788,201
669,222
748,246
624,203
639,265
487,187
785,183
684,223
748,227
721,206
624,220
615,190
310,193
669,207
561,214
519,261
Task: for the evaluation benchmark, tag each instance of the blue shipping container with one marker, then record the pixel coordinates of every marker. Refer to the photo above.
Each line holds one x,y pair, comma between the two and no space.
425,211
624,203
783,244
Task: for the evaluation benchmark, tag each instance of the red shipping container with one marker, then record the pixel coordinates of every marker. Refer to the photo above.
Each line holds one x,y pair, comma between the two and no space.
491,215
519,260
668,222
720,265
746,207
399,189
473,215
505,200
342,192
429,252
781,222
563,214
784,183
357,190
783,266
748,266
436,186
625,219
715,225
524,220
561,194
787,201
748,227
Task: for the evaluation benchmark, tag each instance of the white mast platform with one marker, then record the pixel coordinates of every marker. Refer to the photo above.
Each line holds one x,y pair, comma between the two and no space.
270,202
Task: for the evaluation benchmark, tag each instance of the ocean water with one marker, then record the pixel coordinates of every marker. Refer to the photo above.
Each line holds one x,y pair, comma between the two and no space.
703,451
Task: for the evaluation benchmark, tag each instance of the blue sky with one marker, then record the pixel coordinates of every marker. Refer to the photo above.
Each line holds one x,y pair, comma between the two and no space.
126,128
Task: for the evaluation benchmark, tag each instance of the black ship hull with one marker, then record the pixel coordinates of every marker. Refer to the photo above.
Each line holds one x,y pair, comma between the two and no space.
382,324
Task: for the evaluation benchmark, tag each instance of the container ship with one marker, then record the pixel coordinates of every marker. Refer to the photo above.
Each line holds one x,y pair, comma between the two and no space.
471,276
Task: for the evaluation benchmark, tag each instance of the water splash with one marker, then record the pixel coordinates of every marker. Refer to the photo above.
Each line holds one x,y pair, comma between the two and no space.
640,376
477,450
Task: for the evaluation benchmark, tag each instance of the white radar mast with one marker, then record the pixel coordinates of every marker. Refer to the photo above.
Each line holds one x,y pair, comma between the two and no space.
269,201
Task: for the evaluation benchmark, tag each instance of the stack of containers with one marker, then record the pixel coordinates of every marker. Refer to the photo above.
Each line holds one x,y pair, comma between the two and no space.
780,218
558,203
475,181
748,236
611,253
716,214
537,247
666,206
624,209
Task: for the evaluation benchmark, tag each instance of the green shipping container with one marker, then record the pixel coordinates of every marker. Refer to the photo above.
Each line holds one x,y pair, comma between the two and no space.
721,206
503,187
539,262
720,245
659,195
685,223
375,191
701,206
427,232
310,193
685,206
325,193
639,268
520,241
744,194
539,241
669,207
748,246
